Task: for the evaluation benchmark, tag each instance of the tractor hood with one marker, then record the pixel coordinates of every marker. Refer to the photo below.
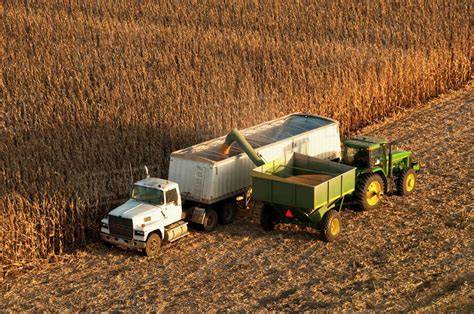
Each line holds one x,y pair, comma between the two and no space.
133,209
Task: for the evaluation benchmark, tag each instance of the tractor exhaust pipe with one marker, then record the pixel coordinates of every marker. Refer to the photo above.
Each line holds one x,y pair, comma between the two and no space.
235,136
390,167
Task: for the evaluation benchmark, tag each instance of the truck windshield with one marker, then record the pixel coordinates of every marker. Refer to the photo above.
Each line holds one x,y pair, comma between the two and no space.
148,195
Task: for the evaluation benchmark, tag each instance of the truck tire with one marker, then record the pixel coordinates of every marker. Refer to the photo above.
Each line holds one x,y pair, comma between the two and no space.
268,218
227,213
330,225
153,245
369,191
406,181
210,221
108,244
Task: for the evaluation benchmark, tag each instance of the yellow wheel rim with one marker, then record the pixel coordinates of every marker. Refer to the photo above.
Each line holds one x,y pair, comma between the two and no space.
335,226
410,182
374,193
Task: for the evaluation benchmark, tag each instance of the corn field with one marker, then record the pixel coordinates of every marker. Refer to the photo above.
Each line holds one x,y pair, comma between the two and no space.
94,90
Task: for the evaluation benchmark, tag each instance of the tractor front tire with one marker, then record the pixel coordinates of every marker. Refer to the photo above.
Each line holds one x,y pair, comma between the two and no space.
227,213
268,219
153,245
210,221
330,225
406,182
369,191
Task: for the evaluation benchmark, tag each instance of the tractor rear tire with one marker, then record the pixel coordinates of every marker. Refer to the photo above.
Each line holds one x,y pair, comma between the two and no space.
406,182
268,218
153,245
210,221
330,225
227,213
369,191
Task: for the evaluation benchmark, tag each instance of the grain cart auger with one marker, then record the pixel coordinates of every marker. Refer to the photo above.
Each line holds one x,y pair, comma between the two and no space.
256,158
379,169
235,136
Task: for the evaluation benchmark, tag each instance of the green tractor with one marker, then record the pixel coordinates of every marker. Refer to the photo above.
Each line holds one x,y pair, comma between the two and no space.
379,169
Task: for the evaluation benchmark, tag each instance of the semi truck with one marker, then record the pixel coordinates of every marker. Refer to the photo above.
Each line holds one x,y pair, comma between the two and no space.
206,182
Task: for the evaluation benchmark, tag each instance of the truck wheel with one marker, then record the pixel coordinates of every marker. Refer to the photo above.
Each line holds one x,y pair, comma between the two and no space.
330,225
369,191
227,213
153,245
210,221
268,219
406,182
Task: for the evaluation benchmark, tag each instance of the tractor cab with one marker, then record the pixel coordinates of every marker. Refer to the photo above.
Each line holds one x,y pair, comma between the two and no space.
368,154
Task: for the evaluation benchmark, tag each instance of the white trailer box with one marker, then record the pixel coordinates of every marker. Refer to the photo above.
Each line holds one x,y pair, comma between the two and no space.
206,175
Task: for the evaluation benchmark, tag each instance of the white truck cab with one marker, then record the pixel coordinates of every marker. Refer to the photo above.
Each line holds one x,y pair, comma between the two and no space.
153,214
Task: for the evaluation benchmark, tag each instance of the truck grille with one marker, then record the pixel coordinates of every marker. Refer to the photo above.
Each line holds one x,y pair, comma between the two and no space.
121,227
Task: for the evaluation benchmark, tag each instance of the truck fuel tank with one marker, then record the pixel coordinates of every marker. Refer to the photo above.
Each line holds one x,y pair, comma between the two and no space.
176,231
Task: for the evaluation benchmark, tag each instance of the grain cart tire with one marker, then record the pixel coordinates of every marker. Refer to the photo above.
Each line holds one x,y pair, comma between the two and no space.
210,221
268,219
153,245
406,182
369,191
227,213
330,225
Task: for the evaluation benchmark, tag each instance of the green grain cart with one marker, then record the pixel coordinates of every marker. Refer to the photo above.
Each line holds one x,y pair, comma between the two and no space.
303,190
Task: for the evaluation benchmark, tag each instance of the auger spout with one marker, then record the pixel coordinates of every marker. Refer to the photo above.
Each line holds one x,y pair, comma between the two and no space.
235,136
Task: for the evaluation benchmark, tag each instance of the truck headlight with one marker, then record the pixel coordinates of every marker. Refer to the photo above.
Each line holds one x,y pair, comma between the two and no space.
140,233
104,225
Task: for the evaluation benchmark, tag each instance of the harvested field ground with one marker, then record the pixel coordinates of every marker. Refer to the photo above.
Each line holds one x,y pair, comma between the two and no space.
413,253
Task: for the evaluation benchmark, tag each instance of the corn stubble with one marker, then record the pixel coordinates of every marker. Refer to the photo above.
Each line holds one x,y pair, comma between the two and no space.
93,91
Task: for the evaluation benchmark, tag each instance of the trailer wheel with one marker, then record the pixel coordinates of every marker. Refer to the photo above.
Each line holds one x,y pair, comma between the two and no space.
369,191
330,225
406,182
227,213
210,221
268,219
153,245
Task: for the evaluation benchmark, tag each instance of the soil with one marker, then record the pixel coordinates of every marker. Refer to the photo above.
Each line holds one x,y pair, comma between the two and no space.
413,253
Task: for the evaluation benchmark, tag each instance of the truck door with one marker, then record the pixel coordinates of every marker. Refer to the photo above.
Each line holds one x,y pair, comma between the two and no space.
173,207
